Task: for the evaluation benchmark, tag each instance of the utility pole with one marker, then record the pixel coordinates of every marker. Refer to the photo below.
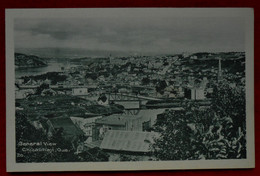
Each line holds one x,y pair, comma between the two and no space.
219,70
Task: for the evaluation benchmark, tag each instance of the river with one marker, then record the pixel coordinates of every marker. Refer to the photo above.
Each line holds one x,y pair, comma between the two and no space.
52,67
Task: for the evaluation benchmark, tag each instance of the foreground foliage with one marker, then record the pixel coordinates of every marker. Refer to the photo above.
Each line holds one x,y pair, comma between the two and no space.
215,132
62,151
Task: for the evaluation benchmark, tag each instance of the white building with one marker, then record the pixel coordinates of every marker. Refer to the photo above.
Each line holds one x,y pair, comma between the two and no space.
197,94
80,91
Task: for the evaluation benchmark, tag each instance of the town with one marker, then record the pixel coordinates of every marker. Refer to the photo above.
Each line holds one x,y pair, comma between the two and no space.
110,106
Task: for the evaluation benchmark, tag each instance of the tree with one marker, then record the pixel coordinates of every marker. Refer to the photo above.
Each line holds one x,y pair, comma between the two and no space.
230,102
41,88
145,81
165,63
177,138
94,154
161,85
93,76
27,133
124,157
103,98
216,132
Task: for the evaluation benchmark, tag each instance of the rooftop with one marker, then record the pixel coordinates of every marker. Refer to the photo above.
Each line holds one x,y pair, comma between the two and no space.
116,119
133,141
68,126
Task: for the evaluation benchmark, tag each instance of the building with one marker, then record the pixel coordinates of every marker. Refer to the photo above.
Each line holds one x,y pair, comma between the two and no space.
219,70
86,124
21,94
19,81
78,91
69,130
128,104
132,143
117,122
103,100
195,93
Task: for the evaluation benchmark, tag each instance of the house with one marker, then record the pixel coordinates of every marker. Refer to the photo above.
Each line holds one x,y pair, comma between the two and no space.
128,104
48,92
37,124
19,81
155,65
86,124
69,130
21,94
103,100
31,82
77,91
123,90
195,93
135,83
117,122
101,78
47,81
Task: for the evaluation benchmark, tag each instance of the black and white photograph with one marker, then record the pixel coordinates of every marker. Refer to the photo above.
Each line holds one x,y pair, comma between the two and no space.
129,89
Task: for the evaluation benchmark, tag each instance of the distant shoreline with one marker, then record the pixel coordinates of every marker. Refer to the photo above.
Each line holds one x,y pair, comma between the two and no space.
29,66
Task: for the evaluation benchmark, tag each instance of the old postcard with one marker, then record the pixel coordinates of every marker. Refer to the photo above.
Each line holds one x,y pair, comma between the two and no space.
103,89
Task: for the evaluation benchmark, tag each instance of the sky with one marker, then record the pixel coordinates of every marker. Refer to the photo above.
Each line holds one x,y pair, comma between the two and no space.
157,34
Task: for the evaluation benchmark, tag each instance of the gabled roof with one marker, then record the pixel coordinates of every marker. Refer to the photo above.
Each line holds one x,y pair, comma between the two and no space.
133,141
68,126
116,119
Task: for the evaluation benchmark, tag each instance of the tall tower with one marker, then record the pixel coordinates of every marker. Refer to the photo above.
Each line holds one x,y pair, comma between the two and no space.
219,70
110,58
111,61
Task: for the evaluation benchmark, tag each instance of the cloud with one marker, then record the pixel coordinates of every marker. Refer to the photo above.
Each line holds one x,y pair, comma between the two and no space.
162,34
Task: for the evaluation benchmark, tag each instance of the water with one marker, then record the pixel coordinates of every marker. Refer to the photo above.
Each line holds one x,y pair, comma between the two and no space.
52,67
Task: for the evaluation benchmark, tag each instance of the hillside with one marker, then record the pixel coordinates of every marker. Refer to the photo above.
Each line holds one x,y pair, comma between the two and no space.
22,60
233,61
63,105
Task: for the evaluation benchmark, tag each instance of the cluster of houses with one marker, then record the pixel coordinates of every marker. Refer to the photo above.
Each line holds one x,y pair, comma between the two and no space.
164,77
124,74
114,134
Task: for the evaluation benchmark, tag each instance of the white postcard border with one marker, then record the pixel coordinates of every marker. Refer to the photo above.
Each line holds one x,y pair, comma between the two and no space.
12,166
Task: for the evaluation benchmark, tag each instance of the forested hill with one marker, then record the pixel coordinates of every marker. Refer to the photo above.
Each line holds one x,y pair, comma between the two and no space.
22,60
